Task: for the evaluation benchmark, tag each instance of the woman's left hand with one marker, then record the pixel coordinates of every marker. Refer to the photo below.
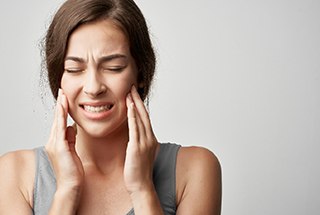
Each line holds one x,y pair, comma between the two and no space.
142,146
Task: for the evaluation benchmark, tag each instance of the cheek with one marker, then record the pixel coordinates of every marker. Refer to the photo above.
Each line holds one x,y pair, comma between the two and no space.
124,84
122,88
67,85
64,80
70,83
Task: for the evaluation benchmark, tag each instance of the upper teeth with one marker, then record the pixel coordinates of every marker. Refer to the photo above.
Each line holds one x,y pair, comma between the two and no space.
97,109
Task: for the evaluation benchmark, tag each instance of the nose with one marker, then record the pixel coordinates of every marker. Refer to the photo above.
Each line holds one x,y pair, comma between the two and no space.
94,85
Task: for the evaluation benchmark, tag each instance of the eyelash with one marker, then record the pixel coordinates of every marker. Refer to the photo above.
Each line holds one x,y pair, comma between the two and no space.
73,70
113,69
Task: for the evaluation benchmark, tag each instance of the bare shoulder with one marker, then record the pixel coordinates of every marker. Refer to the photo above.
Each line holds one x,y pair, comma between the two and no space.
197,158
17,162
198,180
17,170
17,155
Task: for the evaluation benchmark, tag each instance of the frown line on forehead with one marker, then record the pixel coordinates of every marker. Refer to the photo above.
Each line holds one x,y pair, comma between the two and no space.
100,59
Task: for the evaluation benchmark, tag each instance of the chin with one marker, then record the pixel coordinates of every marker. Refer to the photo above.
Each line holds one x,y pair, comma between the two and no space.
105,130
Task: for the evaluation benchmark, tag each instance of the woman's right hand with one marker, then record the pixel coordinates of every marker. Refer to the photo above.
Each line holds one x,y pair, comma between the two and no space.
66,163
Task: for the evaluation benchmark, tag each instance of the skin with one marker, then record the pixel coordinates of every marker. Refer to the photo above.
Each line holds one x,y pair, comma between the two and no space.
112,154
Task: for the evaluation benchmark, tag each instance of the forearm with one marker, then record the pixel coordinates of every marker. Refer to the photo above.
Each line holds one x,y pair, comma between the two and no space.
65,202
146,202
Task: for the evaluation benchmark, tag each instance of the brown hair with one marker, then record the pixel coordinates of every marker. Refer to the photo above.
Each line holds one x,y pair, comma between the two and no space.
124,13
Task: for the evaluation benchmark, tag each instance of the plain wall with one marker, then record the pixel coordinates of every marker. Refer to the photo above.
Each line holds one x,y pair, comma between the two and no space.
241,78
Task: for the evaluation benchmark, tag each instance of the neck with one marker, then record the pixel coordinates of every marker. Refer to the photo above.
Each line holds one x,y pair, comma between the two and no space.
103,154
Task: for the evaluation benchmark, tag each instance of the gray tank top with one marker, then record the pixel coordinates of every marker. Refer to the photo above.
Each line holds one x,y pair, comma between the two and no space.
164,179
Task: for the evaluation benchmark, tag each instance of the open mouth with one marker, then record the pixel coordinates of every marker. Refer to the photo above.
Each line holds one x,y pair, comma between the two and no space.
97,109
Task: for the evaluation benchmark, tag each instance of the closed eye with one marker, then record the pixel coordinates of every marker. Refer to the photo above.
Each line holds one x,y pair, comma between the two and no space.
114,69
73,70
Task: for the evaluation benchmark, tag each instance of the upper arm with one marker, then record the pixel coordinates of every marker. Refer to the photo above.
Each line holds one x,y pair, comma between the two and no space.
16,177
198,182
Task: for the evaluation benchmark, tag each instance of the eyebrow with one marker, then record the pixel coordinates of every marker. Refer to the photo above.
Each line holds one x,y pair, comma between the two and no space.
111,57
100,60
77,59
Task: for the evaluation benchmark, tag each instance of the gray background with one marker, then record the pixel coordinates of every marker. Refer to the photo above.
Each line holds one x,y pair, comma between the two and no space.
238,77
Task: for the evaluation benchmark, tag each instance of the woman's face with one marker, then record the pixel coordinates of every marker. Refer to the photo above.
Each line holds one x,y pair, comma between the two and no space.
99,72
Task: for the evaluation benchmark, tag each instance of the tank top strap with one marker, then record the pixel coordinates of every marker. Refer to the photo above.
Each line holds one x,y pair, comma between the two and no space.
45,182
164,176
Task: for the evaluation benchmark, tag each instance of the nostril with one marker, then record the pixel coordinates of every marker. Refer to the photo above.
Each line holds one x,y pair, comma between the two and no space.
96,92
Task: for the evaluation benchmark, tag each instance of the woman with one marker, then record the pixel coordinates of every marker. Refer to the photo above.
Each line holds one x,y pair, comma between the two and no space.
100,64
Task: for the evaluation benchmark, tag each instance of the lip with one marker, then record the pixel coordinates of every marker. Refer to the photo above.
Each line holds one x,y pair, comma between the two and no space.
96,116
95,104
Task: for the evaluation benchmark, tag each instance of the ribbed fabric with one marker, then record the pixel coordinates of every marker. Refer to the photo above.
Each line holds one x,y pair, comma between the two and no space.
164,179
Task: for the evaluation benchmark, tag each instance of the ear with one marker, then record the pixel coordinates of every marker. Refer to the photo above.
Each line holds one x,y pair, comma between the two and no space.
141,85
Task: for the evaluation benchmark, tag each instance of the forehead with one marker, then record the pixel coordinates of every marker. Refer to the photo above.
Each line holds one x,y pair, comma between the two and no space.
97,38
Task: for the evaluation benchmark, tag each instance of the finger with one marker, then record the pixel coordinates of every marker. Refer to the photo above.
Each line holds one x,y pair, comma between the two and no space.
141,109
133,128
56,114
55,122
139,122
71,138
62,116
64,102
61,124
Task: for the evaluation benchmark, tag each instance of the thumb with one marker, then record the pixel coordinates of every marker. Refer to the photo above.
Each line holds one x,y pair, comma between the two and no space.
71,138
